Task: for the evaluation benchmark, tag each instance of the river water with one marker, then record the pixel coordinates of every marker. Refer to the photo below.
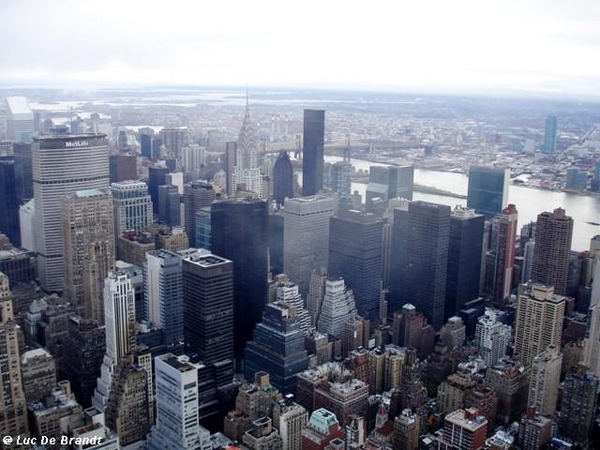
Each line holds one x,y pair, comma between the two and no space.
529,202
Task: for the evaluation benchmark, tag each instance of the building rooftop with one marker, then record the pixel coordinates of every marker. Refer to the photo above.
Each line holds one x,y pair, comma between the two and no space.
19,106
89,193
35,353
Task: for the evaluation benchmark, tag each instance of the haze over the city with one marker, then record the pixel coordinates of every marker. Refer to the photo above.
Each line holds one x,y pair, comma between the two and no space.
531,48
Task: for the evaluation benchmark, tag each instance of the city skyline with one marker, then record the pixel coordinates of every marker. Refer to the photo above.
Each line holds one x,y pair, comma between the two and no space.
476,54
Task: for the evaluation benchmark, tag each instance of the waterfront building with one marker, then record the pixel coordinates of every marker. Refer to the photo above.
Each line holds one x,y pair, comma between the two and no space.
487,190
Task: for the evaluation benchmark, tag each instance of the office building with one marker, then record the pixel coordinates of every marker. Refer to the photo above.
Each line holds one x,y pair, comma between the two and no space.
487,190
123,167
132,206
13,406
313,151
163,296
193,160
528,252
290,418
510,380
20,120
9,206
338,178
286,291
323,427
344,399
576,179
262,436
544,380
86,342
177,413
578,405
386,183
174,140
119,312
592,341
538,325
554,232
503,254
316,293
246,171
88,248
535,431
410,329
146,143
277,348
492,337
157,176
406,430
306,237
419,259
337,308
230,163
208,307
23,172
550,134
355,254
283,178
38,372
464,429
239,231
464,259
169,205
451,392
196,195
61,166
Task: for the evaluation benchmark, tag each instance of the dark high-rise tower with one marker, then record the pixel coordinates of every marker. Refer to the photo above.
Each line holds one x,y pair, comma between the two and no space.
553,235
488,190
277,347
9,206
283,178
169,205
504,254
549,145
464,259
157,176
196,195
239,231
419,260
312,155
208,307
355,246
389,182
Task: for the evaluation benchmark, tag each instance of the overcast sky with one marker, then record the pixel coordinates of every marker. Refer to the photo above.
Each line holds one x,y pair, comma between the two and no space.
504,46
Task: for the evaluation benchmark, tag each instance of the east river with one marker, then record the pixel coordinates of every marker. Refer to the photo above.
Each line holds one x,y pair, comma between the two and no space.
529,201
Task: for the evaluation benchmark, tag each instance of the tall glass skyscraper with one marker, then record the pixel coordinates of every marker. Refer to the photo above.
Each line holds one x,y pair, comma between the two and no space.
488,190
9,206
239,232
62,165
277,347
283,178
313,152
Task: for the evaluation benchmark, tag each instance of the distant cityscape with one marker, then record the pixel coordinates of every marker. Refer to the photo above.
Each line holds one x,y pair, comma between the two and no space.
221,269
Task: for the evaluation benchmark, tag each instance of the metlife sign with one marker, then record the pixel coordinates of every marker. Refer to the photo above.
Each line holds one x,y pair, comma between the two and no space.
76,144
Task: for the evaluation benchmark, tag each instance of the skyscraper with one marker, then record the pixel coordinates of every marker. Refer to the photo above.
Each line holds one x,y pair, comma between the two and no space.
163,296
277,347
169,205
488,190
592,342
390,182
338,307
20,125
157,176
504,254
13,407
283,178
464,259
540,314
62,165
246,170
288,292
9,205
208,306
313,151
419,259
355,249
196,195
554,232
175,139
132,206
240,233
119,318
544,380
549,145
177,412
578,405
338,178
88,248
193,160
306,237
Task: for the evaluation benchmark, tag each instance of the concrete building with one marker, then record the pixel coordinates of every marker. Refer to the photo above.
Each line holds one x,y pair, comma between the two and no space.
306,237
344,399
177,406
316,293
132,247
132,206
290,418
47,413
535,430
88,248
464,429
323,427
20,124
539,321
544,381
492,337
61,166
262,436
510,381
337,308
406,431
451,393
38,372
